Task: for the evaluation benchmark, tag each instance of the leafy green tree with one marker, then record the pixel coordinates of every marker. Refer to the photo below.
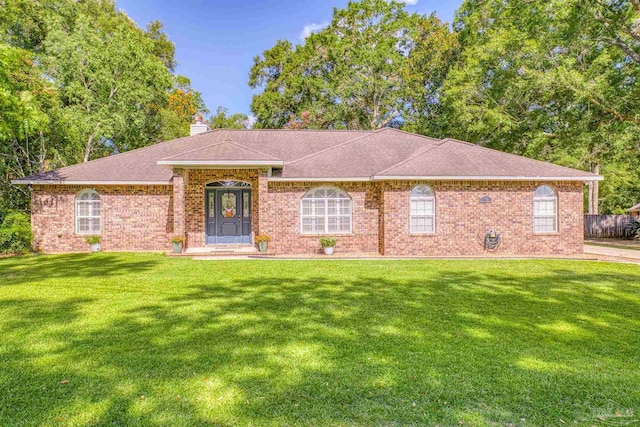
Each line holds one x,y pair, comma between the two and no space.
375,65
25,98
554,80
79,80
183,105
222,119
111,83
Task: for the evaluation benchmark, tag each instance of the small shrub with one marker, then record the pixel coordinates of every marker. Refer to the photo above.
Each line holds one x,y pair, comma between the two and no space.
15,233
262,238
178,239
93,240
632,230
327,242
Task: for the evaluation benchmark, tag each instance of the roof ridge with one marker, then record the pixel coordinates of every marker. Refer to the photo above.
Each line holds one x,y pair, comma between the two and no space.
413,134
418,153
226,141
333,147
192,150
237,144
514,155
299,130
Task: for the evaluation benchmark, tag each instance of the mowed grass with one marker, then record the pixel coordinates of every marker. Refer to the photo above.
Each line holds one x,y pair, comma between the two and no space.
140,339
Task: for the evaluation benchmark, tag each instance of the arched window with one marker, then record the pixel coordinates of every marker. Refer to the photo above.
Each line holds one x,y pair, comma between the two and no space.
88,212
545,210
325,210
422,210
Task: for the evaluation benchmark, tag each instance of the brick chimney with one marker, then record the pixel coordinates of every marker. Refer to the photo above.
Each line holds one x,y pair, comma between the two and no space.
199,126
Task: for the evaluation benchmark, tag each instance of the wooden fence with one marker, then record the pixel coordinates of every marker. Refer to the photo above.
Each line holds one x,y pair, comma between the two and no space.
597,226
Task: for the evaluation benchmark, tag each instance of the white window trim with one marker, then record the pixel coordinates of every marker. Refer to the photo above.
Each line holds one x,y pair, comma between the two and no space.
78,216
326,215
554,216
435,207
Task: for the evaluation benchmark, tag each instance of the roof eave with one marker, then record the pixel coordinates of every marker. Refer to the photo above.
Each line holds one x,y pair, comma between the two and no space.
71,182
487,178
317,179
221,163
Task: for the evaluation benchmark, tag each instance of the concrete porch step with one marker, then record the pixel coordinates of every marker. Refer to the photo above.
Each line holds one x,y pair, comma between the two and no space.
212,249
219,250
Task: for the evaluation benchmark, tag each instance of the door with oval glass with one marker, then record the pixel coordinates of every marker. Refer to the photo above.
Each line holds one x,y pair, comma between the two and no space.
228,216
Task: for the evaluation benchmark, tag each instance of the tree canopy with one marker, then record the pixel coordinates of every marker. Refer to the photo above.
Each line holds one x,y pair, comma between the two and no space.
374,65
80,80
553,80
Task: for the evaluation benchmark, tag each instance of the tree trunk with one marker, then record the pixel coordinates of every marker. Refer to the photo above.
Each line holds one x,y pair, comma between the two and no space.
87,150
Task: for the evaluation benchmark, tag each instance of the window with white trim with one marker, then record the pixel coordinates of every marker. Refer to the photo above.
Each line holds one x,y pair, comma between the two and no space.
88,212
545,210
422,210
325,210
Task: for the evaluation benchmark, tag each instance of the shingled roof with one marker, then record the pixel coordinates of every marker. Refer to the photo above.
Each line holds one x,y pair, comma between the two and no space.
320,155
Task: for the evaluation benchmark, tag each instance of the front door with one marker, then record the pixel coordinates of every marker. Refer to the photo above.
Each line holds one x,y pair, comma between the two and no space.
228,216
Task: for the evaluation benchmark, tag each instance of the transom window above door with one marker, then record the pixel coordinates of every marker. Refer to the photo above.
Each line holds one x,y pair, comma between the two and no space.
229,183
325,210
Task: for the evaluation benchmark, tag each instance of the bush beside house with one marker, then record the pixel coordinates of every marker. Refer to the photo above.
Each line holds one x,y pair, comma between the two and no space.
15,233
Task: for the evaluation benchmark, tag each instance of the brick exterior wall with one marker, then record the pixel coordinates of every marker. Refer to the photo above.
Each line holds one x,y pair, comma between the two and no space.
281,220
134,218
143,217
461,220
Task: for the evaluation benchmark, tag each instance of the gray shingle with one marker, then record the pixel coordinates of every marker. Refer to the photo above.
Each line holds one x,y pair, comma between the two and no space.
318,154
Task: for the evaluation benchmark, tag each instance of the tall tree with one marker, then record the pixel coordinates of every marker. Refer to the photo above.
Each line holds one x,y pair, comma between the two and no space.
222,119
375,65
550,80
184,103
25,98
79,80
111,83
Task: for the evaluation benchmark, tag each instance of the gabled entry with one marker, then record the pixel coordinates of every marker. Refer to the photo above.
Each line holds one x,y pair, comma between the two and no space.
228,212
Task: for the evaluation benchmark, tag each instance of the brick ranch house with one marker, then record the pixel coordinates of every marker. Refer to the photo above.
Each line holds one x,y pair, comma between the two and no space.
384,191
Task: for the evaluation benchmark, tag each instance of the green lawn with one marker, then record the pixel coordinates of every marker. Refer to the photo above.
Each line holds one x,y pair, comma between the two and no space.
140,339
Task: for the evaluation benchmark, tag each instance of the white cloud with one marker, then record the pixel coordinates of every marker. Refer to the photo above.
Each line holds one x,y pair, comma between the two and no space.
312,28
410,2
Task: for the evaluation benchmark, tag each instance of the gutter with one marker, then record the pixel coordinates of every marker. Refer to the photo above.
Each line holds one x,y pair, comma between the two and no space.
488,178
61,182
227,163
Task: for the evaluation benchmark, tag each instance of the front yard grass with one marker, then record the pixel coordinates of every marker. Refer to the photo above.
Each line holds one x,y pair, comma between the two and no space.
140,339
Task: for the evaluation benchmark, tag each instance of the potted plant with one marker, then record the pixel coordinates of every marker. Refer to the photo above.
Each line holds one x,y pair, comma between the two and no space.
328,244
177,243
263,242
94,242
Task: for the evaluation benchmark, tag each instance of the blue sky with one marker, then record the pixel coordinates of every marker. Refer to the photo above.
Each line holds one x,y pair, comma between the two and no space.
217,40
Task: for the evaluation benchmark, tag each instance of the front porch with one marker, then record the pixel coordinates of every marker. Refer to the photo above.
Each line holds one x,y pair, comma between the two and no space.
216,208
